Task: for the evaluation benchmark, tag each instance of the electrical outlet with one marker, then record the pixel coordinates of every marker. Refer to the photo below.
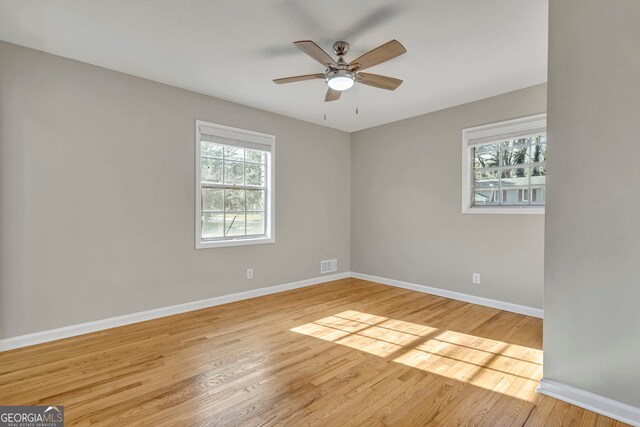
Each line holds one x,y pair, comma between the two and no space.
328,266
476,278
249,273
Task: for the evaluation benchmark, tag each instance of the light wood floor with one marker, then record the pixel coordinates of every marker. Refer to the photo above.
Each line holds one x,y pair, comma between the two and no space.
348,352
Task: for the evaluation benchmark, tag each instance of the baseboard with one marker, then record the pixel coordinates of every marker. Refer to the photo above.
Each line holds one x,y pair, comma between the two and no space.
501,305
99,325
112,322
591,401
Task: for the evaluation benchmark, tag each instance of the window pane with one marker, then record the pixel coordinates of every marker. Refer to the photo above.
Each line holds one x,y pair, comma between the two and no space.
212,225
516,143
485,179
210,149
539,153
514,177
539,171
212,199
233,153
234,224
255,200
515,186
255,223
539,139
234,200
255,156
487,197
538,178
211,170
538,196
485,159
486,188
516,156
254,174
233,173
488,147
515,196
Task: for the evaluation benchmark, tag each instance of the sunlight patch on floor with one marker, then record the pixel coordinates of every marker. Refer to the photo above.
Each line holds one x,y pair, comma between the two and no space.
502,367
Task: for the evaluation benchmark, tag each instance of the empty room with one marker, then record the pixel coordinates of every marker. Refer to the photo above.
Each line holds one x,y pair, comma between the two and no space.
331,213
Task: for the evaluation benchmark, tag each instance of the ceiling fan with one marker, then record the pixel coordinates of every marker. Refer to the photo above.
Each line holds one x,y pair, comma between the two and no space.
341,75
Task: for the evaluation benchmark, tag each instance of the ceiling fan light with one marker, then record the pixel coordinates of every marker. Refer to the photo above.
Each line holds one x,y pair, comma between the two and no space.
340,82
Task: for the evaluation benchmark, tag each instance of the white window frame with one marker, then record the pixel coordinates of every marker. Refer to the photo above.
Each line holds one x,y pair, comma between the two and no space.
486,134
247,136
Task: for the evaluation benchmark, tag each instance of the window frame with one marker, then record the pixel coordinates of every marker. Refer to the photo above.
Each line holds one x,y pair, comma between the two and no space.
492,133
247,136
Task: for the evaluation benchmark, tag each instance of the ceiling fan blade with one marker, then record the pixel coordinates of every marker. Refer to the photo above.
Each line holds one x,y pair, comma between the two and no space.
378,55
316,52
298,78
332,95
376,80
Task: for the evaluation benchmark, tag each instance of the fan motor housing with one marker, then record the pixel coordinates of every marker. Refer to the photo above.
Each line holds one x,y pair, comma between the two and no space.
341,48
330,74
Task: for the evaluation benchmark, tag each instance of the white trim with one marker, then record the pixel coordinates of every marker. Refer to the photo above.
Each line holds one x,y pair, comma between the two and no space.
591,401
270,208
99,325
203,244
229,132
501,305
522,210
486,134
521,125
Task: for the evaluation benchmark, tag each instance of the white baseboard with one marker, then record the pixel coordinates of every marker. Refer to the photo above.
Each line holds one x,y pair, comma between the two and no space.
591,401
112,322
99,325
501,305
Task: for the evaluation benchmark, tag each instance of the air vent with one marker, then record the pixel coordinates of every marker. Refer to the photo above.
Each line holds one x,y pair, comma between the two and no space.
328,266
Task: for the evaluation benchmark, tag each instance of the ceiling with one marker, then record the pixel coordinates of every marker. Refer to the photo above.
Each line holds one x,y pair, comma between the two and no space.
457,50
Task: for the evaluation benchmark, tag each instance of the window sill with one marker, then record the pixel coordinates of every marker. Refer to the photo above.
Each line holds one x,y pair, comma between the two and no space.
200,244
524,210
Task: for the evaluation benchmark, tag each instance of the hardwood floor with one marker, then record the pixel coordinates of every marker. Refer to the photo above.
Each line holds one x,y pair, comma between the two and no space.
347,352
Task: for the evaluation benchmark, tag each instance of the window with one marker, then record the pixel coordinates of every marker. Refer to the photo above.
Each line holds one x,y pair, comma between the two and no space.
504,166
234,191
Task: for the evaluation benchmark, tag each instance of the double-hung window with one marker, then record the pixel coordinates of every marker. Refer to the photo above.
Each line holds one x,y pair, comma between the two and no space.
504,166
234,186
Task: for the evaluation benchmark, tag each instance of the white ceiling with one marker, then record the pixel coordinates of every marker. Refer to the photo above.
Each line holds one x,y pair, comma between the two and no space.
457,50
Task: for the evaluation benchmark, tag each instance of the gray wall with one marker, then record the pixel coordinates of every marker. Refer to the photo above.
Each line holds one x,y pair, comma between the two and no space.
96,193
406,221
97,196
592,290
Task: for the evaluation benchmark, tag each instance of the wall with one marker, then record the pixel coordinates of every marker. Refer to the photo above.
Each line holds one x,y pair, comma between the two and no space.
592,327
97,196
406,219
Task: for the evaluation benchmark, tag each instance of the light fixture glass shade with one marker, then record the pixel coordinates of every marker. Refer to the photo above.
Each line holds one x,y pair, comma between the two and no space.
340,83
